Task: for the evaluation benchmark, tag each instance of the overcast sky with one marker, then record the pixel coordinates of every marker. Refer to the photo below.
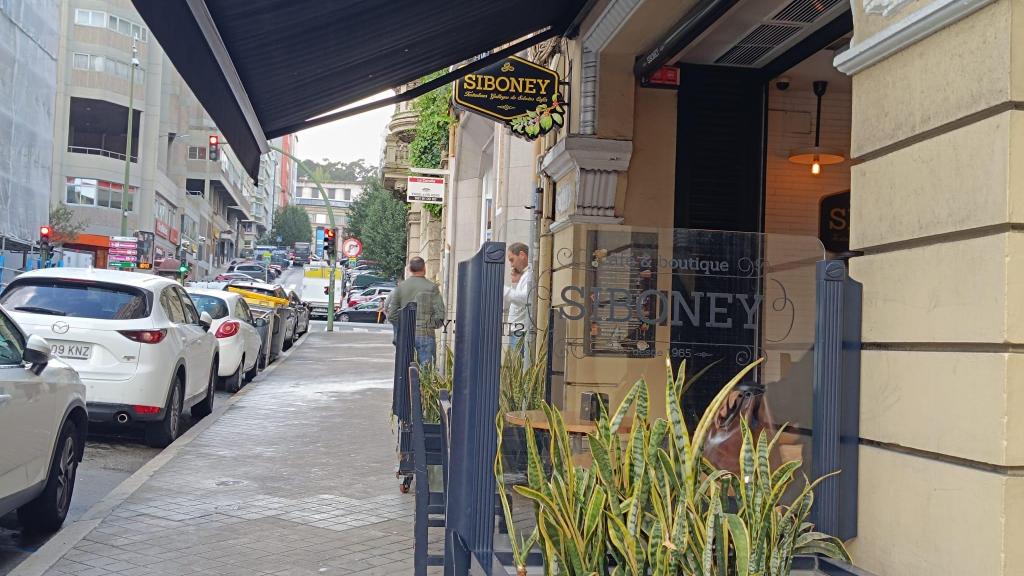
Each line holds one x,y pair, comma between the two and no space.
350,139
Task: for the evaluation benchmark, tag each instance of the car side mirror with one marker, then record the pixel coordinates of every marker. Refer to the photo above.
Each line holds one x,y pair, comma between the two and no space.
259,322
37,353
205,320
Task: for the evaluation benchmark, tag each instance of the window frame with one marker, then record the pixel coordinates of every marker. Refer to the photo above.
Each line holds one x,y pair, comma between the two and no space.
192,315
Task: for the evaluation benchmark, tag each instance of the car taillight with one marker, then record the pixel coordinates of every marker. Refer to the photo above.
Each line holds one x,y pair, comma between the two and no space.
227,329
145,336
146,409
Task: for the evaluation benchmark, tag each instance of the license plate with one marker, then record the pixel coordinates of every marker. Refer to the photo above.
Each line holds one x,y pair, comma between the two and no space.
72,350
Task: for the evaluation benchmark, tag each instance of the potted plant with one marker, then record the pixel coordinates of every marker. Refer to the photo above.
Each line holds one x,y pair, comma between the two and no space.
523,385
654,505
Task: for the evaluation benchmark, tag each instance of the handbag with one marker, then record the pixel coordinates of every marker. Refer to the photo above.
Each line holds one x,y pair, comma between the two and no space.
725,438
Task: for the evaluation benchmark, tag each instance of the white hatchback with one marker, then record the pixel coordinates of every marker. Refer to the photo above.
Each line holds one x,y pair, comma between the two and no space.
142,349
43,425
238,340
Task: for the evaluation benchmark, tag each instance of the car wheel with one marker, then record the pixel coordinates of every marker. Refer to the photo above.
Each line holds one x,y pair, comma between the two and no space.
160,434
47,512
250,374
204,408
343,317
233,383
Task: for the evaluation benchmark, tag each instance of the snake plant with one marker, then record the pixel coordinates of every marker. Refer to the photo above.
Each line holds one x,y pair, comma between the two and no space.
652,504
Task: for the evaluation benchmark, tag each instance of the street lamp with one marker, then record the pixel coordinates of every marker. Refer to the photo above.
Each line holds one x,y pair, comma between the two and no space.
128,139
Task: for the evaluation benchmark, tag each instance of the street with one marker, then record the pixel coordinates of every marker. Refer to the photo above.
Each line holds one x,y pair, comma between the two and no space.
112,455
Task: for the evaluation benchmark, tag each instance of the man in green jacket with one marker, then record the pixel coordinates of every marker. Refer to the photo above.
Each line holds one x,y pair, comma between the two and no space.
429,309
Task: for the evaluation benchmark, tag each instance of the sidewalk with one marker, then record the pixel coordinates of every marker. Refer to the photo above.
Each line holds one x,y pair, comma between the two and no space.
296,478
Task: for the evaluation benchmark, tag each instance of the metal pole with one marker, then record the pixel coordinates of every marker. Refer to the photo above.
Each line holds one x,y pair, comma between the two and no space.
128,136
330,216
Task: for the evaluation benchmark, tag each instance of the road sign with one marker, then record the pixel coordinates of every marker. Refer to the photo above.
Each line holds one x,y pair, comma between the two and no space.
351,247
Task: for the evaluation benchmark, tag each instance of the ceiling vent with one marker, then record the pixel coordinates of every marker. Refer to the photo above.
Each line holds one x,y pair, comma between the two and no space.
805,11
755,45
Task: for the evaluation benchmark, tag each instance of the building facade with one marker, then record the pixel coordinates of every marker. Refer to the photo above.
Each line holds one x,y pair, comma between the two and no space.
340,194
691,138
200,210
28,86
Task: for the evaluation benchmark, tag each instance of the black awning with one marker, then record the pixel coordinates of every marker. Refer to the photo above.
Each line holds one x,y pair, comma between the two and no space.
264,68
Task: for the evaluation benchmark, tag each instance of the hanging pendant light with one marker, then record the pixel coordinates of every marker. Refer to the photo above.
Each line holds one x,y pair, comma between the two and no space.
816,156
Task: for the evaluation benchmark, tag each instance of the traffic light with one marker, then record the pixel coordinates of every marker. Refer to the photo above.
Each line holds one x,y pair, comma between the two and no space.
44,242
214,152
329,242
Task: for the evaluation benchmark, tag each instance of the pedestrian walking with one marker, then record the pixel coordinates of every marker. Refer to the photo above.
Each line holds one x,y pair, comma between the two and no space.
430,309
517,294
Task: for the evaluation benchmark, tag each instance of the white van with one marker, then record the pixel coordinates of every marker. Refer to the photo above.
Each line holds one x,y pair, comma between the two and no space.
315,280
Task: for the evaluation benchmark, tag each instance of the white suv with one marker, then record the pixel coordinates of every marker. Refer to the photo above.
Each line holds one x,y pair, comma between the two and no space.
142,349
43,425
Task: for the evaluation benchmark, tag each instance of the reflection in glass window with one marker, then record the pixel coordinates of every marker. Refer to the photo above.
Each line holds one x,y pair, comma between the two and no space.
90,192
11,345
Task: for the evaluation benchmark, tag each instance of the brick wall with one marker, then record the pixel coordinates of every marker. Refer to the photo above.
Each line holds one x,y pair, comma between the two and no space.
792,192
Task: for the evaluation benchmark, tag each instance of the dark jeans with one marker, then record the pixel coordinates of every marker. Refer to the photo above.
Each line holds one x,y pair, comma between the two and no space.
426,348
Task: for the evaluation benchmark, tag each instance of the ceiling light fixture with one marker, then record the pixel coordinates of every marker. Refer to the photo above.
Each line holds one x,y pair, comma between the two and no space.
816,156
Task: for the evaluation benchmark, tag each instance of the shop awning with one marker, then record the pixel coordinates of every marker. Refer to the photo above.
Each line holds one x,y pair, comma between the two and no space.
265,68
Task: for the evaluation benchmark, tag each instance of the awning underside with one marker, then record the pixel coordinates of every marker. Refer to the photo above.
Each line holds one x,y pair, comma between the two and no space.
298,59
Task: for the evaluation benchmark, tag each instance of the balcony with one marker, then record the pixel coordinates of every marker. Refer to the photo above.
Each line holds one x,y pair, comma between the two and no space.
403,124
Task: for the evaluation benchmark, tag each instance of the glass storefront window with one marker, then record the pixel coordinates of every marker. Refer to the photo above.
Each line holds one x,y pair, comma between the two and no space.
626,299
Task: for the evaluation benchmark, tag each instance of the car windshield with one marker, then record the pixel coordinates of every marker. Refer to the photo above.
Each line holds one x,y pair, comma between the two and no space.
217,307
76,299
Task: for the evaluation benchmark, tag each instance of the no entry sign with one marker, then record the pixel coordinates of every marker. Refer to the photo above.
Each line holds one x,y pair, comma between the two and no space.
351,247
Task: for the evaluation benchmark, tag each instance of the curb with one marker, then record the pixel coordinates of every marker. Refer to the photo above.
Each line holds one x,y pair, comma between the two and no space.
63,541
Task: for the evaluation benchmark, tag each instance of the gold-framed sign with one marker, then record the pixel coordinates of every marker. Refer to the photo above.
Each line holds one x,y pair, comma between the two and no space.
516,92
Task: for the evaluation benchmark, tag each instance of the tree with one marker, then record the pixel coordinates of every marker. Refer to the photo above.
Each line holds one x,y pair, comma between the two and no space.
378,221
355,171
291,224
64,226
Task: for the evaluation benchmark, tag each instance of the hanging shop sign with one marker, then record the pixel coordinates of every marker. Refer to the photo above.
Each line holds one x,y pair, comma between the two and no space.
517,92
834,222
427,189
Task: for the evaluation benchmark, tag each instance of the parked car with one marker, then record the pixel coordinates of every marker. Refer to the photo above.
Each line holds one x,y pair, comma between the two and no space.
284,325
364,312
229,276
255,270
142,349
43,425
238,340
368,294
302,313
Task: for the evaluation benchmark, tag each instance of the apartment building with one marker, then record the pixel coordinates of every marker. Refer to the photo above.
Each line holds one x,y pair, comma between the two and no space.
201,209
30,34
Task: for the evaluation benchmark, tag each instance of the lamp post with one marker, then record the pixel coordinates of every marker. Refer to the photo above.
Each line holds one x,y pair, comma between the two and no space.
128,138
330,216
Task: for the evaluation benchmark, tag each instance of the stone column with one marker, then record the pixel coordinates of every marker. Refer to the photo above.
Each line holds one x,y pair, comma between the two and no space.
938,209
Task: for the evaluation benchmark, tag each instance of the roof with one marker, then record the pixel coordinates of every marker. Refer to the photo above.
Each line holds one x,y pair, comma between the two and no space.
137,279
224,294
256,285
266,68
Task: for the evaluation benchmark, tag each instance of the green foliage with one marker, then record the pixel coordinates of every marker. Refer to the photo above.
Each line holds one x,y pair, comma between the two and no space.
378,220
432,381
291,223
655,505
430,145
540,120
355,171
522,383
65,227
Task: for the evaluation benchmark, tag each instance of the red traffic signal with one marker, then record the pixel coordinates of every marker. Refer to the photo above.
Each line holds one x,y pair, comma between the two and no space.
213,152
44,232
328,234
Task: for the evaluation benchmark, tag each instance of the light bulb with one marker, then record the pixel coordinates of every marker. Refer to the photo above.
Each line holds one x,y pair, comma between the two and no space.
815,168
